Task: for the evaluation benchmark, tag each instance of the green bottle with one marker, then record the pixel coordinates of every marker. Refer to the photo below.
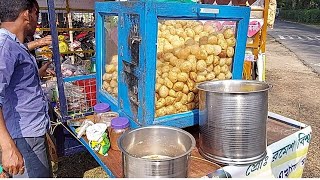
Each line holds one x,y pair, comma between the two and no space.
93,65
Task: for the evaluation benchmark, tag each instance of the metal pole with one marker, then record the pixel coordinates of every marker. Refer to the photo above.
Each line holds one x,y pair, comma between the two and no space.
56,58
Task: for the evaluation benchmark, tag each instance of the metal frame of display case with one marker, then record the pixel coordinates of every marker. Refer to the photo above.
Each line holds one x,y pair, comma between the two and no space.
138,106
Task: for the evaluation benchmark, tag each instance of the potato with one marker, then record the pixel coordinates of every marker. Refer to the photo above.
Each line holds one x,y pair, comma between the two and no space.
217,69
192,58
189,42
230,51
210,76
220,36
167,48
195,49
223,54
110,68
212,39
167,56
168,83
208,28
184,99
161,112
172,93
210,60
165,69
164,75
224,69
203,73
183,77
202,34
193,75
217,50
191,106
228,75
158,87
160,103
186,66
221,76
198,29
202,54
231,42
222,43
190,32
200,79
191,84
228,33
178,106
183,108
113,83
222,62
163,91
169,100
185,89
190,97
176,70
178,86
203,40
160,80
107,77
105,85
216,60
210,68
173,60
115,91
170,109
109,89
197,38
201,65
228,61
173,77
184,53
179,96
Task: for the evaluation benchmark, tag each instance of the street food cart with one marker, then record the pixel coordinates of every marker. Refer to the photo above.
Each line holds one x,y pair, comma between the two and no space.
140,45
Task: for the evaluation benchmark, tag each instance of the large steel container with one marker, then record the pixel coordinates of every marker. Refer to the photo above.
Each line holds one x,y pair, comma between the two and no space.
232,119
156,151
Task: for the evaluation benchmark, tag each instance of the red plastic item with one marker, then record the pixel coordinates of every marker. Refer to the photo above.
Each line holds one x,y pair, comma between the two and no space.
89,86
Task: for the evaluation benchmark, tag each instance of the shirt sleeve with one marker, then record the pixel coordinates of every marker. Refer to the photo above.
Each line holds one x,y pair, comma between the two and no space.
7,64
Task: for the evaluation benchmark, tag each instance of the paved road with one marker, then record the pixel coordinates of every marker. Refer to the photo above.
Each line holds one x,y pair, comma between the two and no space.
301,39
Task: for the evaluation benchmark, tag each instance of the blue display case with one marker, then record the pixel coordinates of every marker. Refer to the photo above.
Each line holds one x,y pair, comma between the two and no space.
127,35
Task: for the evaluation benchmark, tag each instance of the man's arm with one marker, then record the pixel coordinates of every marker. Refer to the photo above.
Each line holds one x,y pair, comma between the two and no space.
40,42
12,160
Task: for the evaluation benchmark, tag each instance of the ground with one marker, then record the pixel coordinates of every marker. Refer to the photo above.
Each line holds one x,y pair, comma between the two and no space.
295,94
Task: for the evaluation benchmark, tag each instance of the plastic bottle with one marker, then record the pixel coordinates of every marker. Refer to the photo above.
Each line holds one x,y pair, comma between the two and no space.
99,109
118,126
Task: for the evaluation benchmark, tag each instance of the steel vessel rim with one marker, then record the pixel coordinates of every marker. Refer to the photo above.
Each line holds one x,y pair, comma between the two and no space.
244,81
188,152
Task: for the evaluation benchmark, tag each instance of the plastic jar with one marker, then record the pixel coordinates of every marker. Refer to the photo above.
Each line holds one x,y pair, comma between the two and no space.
119,126
107,117
99,110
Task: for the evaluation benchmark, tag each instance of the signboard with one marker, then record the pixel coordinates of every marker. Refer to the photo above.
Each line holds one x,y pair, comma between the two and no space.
73,4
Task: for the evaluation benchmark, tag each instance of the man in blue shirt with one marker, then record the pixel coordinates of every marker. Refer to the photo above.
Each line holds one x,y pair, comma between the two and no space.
23,107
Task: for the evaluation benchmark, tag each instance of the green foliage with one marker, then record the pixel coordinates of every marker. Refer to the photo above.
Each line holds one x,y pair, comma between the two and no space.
301,15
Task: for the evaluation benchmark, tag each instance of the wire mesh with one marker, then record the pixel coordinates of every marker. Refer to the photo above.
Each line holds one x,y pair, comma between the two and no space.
81,97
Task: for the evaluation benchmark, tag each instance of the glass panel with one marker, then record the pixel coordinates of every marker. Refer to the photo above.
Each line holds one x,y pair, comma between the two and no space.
110,76
190,52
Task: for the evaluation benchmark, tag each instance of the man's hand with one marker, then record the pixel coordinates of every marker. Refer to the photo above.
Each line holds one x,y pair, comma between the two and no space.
45,41
12,160
44,71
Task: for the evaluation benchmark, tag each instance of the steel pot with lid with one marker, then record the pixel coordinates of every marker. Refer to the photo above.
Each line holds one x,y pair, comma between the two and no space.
232,120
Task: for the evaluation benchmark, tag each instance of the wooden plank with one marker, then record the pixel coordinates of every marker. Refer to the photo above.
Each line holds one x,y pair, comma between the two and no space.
199,167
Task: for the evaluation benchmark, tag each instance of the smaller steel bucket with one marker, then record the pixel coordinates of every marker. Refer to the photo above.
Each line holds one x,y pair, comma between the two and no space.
156,151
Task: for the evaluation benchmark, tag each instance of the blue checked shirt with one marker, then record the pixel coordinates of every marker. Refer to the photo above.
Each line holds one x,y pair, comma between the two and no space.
23,102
